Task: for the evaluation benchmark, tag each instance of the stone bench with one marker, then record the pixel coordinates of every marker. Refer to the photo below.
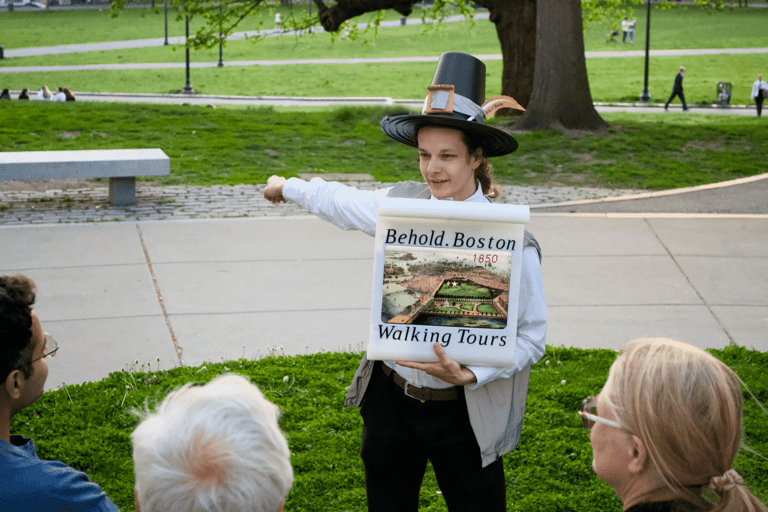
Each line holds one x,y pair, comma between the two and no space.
121,166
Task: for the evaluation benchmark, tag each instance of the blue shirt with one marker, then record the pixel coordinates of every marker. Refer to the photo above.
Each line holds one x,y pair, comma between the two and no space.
28,483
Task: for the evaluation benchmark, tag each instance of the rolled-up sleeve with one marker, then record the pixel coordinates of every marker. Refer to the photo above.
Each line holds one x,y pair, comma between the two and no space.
531,324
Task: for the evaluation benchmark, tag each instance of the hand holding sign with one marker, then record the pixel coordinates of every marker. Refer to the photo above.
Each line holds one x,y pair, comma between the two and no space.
445,368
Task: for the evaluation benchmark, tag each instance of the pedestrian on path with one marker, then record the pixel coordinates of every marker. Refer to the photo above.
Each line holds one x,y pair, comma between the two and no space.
677,90
632,25
759,93
462,419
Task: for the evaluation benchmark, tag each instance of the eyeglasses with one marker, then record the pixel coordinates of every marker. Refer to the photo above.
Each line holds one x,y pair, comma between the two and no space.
49,342
589,415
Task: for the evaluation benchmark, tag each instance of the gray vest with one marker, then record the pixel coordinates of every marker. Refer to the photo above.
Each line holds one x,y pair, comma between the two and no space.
495,410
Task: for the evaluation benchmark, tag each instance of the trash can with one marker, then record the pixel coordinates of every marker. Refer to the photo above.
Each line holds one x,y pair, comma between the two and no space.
724,93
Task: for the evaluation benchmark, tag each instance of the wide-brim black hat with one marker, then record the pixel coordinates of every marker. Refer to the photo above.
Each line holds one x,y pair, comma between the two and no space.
456,100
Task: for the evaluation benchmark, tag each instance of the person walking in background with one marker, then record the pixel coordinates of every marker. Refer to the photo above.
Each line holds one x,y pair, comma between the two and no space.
44,94
24,94
677,90
759,92
632,25
624,29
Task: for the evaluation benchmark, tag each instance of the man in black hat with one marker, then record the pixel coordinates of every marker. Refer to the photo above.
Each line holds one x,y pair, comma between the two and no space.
462,419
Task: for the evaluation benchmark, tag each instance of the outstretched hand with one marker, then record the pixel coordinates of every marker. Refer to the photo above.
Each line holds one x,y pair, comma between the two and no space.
273,192
445,368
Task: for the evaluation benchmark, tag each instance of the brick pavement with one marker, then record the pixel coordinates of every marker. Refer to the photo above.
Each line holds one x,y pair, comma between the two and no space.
197,202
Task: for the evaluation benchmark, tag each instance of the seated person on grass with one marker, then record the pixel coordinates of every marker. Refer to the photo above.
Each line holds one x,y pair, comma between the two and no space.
26,482
212,447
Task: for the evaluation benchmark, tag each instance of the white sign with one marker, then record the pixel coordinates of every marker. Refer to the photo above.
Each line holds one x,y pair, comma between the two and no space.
446,272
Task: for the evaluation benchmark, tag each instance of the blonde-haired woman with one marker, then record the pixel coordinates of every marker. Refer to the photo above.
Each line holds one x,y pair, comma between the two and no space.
44,94
665,430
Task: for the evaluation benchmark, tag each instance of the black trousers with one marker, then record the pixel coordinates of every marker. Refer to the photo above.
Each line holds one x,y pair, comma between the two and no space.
400,434
682,98
759,101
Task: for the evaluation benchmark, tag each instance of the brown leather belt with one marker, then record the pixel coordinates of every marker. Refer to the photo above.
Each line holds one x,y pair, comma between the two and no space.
421,394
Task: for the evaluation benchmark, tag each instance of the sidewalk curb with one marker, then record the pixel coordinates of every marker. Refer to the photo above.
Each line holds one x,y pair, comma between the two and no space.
662,193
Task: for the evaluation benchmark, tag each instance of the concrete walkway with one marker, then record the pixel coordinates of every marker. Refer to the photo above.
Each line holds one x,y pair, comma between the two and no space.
178,292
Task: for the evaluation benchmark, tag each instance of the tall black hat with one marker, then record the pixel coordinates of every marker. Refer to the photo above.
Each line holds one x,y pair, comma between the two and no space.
455,100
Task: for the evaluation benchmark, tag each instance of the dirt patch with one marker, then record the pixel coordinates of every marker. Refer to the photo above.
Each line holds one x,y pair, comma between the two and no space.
69,135
588,158
720,145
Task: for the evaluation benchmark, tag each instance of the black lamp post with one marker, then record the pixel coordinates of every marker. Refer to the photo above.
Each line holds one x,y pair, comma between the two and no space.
647,97
221,39
187,88
166,24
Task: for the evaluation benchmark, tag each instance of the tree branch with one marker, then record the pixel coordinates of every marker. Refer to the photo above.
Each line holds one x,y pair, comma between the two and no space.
332,17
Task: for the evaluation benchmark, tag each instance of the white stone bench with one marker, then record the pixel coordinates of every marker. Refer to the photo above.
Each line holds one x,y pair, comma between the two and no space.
121,166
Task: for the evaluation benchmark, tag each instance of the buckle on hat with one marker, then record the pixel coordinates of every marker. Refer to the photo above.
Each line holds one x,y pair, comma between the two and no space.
439,99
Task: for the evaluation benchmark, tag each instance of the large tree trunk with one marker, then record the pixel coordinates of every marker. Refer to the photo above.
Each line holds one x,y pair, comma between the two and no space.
561,99
515,22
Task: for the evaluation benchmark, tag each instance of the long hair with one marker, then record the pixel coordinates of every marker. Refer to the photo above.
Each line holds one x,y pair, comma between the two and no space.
686,406
484,171
212,447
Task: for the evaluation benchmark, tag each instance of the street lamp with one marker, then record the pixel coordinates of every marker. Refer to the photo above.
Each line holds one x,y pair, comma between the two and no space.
221,38
166,23
187,88
647,97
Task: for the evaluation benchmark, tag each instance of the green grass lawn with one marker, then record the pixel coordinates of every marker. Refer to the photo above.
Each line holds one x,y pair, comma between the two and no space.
232,146
678,27
610,79
88,426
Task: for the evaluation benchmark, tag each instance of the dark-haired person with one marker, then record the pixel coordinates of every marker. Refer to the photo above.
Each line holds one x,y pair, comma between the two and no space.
677,90
5,95
24,94
68,94
666,428
28,483
463,418
759,93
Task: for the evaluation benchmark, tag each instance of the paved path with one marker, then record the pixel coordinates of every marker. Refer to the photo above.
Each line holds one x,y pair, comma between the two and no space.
295,101
373,60
192,288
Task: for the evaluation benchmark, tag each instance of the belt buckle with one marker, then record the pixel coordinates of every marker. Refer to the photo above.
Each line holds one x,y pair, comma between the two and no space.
409,385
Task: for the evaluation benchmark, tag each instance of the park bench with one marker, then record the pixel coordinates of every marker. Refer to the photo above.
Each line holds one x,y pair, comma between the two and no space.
121,166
